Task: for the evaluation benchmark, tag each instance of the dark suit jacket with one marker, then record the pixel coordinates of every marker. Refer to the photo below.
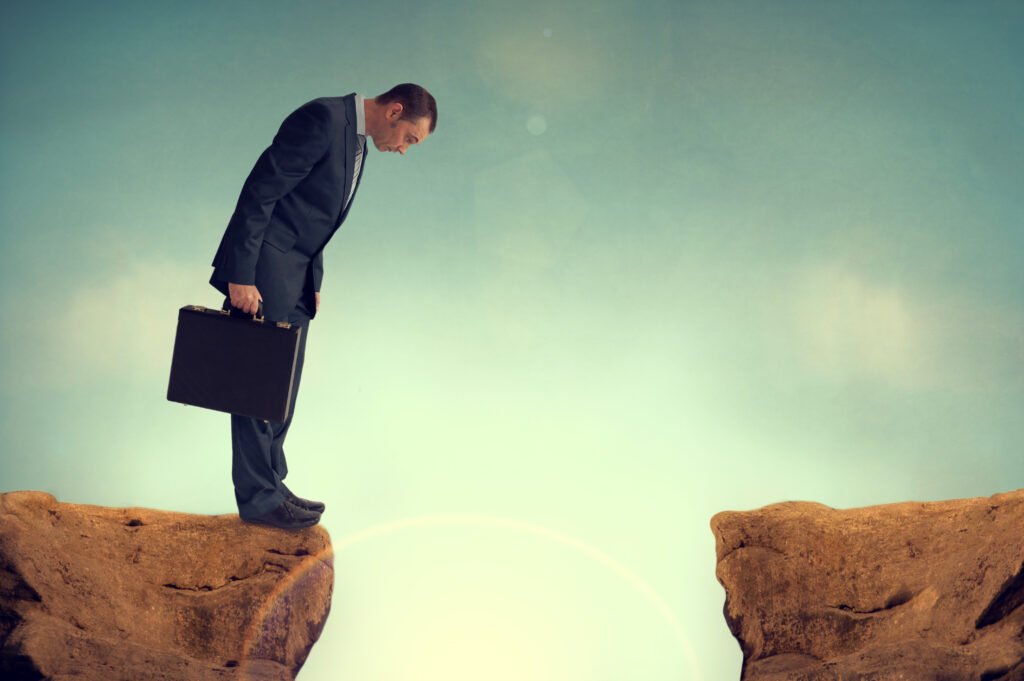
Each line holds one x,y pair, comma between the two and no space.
293,202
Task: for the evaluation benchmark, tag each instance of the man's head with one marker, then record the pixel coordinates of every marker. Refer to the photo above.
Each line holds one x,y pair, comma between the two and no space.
400,117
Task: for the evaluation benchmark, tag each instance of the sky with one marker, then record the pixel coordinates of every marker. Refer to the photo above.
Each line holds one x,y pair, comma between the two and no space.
658,260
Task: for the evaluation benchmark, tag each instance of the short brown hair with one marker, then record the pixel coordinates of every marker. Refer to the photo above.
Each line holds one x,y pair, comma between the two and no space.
415,100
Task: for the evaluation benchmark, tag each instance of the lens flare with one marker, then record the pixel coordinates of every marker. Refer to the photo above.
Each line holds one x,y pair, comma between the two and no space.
274,611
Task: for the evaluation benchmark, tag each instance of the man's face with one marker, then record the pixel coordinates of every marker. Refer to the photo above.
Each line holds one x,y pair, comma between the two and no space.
400,134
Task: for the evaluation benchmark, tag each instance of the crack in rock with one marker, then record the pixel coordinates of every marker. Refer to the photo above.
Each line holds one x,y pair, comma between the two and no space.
324,558
266,567
745,545
899,598
298,553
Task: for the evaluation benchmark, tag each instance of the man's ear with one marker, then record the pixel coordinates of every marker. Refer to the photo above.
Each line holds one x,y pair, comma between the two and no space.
395,111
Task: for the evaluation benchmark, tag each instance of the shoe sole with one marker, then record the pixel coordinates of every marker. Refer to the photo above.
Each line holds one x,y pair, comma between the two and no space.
298,526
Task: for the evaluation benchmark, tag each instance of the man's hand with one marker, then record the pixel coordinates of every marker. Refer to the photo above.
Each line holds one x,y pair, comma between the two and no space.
245,297
317,296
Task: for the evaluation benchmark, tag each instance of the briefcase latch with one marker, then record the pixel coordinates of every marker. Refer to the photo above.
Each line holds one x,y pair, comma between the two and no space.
284,325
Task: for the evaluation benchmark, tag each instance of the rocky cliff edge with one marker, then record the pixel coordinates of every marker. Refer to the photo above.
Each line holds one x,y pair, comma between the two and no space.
908,591
90,592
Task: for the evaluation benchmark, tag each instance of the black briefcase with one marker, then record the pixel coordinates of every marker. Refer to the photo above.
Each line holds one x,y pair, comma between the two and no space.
240,364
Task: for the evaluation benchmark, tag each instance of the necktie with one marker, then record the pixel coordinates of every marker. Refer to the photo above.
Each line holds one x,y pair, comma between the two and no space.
360,149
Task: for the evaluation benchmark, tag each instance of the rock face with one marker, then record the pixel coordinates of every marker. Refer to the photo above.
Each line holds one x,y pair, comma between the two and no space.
910,591
134,594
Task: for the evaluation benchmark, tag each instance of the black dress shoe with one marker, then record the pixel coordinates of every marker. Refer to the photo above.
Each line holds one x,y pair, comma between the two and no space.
305,504
286,517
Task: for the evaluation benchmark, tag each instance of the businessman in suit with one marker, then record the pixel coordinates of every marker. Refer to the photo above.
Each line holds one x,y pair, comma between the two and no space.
271,255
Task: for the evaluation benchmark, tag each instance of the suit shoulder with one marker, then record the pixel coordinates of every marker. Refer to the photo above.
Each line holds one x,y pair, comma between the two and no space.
316,107
313,117
334,107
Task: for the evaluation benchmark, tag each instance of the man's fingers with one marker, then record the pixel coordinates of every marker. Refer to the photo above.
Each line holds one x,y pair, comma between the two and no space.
247,305
245,297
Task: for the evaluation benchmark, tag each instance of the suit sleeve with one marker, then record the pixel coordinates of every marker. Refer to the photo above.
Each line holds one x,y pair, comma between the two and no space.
302,140
318,270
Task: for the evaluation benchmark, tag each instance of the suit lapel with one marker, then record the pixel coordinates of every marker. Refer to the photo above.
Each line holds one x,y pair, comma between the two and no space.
350,151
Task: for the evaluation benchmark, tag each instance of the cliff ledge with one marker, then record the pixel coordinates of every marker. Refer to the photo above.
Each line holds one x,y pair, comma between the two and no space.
907,591
91,592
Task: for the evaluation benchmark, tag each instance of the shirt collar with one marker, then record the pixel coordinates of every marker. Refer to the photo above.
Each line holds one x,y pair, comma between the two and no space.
360,116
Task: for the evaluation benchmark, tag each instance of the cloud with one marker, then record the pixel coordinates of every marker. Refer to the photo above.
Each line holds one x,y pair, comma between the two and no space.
565,68
850,327
115,330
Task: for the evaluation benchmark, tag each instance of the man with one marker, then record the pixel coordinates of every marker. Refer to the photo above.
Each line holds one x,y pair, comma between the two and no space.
295,198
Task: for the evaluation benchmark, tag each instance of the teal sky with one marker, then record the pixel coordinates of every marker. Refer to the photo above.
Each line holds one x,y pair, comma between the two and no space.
658,260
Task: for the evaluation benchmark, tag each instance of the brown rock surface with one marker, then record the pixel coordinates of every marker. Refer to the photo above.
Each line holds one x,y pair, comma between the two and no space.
910,591
135,594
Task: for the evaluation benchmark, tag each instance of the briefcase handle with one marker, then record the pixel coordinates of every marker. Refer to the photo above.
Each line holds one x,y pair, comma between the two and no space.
226,308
